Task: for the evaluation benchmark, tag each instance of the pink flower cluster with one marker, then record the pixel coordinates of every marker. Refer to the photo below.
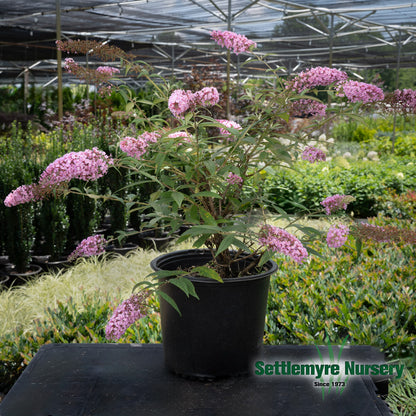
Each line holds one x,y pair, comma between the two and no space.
183,135
181,101
70,65
312,154
91,246
88,165
21,195
336,202
306,107
105,90
314,77
356,91
384,234
233,41
229,124
107,70
206,97
234,179
337,235
128,312
279,240
404,100
136,146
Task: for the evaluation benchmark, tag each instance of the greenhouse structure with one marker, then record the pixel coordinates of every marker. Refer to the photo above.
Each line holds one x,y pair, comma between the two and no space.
207,207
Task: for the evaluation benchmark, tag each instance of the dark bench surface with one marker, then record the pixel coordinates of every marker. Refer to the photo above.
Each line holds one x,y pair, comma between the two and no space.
124,380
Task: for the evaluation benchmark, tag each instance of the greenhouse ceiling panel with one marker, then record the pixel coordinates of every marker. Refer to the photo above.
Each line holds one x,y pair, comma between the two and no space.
174,35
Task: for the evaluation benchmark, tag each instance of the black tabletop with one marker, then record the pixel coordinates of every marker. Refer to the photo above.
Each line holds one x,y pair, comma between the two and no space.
130,379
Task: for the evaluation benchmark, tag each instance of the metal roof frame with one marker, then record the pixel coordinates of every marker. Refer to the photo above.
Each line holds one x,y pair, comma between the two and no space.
173,35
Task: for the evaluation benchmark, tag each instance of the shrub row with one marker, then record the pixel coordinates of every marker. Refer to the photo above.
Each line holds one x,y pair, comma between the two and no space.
305,187
370,301
69,324
376,134
55,225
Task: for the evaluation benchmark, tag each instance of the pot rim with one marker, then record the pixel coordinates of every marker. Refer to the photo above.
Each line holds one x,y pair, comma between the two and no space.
271,264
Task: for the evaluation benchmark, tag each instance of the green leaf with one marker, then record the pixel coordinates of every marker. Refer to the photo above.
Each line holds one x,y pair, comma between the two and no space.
142,101
201,240
178,197
145,283
315,253
192,215
209,194
185,285
182,238
211,166
207,272
231,240
129,106
358,247
202,229
266,256
168,299
206,217
164,274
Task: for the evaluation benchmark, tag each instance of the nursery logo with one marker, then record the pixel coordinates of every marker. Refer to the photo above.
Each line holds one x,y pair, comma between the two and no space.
331,373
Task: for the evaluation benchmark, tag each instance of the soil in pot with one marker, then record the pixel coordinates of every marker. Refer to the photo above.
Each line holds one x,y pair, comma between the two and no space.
123,250
19,278
150,240
50,265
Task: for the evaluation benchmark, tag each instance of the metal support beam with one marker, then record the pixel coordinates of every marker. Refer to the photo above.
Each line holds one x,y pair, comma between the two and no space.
59,60
331,40
399,51
228,85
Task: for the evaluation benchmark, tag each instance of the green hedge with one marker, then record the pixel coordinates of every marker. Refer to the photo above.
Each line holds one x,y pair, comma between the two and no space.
371,301
25,153
68,324
309,184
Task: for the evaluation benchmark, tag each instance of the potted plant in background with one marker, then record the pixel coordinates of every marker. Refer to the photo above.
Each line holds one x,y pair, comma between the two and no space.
53,226
85,215
19,230
215,294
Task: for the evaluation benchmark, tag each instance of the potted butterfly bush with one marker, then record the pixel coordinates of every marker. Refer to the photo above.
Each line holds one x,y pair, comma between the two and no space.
213,297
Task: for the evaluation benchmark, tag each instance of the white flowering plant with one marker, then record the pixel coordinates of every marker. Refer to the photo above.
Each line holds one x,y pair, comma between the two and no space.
211,182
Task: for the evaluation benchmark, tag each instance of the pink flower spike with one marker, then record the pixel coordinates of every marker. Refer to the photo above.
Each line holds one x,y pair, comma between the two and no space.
228,123
21,195
128,312
336,202
356,91
234,179
306,107
337,235
233,41
72,67
280,241
184,136
208,96
312,154
91,246
180,101
107,70
137,147
404,100
88,165
133,147
315,77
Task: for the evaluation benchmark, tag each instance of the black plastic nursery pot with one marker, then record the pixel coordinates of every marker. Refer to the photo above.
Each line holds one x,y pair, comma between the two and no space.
220,334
